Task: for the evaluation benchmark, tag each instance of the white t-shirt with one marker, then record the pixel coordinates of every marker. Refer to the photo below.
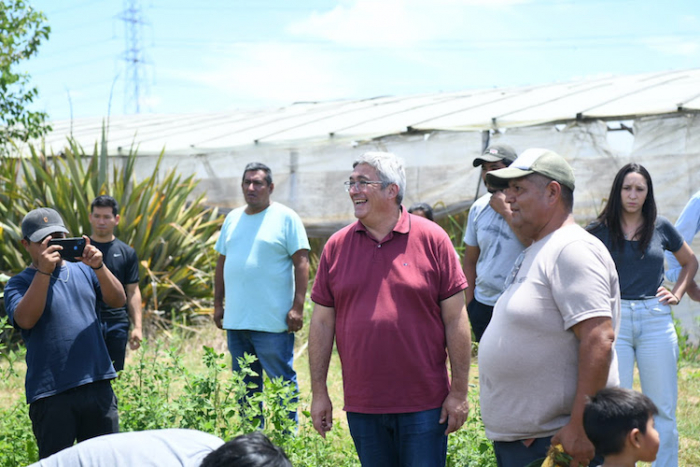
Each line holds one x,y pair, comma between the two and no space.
499,248
150,448
528,356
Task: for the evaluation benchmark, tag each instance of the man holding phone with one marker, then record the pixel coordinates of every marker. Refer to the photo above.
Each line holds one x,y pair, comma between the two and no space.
71,248
121,260
53,303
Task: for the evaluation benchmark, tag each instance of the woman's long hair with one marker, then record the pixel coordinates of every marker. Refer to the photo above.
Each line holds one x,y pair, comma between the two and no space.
611,216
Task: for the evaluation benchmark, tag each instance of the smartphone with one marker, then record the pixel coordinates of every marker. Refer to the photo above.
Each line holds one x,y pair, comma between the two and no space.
72,247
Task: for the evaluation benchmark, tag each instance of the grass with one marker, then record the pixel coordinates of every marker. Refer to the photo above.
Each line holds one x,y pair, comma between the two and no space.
688,414
467,447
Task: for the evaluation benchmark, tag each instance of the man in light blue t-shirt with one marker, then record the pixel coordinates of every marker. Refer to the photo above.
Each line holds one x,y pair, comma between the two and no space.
491,246
263,271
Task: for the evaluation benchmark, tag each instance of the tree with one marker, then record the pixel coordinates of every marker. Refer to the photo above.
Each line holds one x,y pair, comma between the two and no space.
22,29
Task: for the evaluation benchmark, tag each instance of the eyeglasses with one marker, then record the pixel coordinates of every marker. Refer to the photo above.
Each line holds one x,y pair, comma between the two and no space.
361,185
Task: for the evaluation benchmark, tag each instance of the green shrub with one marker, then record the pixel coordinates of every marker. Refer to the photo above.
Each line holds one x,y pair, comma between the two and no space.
689,351
17,443
157,390
469,446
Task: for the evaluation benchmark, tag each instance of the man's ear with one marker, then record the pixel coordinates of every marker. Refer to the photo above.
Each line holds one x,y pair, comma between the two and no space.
116,219
25,243
553,191
633,437
272,187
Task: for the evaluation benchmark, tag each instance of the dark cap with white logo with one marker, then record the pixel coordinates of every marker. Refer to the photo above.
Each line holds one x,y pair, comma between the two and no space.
39,223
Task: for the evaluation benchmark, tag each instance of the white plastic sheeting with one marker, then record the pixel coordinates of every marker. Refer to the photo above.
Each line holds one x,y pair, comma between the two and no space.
338,122
669,147
310,147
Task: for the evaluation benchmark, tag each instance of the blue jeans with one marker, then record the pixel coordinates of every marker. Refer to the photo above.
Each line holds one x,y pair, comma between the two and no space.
116,334
401,439
274,352
648,336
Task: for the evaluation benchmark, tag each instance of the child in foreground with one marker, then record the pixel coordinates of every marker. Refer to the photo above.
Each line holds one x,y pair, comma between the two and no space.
620,424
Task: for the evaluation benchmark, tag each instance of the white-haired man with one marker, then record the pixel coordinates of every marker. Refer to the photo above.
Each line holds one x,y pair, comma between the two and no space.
389,289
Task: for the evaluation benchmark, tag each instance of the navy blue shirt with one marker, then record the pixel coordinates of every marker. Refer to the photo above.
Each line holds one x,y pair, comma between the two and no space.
121,260
65,348
641,273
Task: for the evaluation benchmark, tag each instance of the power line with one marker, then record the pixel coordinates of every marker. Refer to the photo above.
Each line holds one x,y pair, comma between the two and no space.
273,7
85,25
73,7
84,45
447,44
91,61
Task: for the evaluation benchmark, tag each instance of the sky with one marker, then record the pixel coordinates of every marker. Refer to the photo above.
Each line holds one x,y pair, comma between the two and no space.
221,55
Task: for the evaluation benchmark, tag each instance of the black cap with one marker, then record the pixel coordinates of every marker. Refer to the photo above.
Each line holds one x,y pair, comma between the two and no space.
39,223
495,153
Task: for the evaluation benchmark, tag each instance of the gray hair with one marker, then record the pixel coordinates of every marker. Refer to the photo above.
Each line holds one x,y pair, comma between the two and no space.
389,168
255,166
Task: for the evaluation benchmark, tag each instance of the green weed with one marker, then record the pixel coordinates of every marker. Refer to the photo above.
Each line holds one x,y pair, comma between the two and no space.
688,351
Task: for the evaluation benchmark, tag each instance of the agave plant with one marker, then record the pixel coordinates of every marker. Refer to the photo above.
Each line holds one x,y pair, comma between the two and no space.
11,257
172,233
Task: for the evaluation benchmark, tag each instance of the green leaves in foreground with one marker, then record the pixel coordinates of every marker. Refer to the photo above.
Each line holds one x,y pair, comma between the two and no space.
159,391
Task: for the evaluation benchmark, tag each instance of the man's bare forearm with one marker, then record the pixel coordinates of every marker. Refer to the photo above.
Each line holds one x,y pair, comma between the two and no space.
321,336
301,277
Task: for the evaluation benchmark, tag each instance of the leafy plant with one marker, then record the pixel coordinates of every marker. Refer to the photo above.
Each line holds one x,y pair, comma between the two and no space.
17,444
11,257
455,225
689,351
8,352
469,445
173,234
22,30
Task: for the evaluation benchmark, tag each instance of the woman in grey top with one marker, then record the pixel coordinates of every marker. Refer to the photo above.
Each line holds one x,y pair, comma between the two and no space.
637,238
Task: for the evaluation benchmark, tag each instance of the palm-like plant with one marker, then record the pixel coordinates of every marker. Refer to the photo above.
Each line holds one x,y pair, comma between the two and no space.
173,234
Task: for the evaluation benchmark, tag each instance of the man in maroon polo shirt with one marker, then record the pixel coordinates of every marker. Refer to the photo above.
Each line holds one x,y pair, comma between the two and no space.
389,288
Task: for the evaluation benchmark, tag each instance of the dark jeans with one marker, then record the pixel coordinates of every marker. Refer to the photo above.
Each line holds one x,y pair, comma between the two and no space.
402,439
116,334
479,317
78,414
516,454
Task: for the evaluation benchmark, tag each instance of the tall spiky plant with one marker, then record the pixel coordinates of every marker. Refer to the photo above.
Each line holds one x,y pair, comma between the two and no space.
172,232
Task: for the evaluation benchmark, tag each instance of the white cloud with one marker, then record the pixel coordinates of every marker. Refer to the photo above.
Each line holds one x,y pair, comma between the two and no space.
673,45
489,3
271,74
365,23
393,23
689,21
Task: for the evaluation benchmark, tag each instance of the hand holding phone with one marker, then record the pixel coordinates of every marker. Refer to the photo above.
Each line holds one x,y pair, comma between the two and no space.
71,248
